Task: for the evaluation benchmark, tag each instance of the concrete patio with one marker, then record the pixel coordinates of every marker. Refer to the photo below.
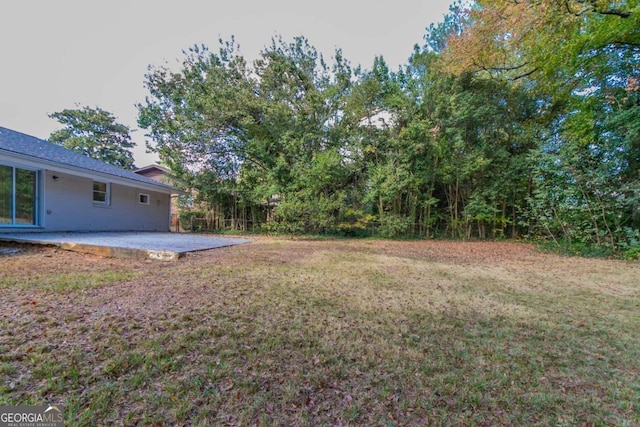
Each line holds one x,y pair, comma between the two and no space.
137,245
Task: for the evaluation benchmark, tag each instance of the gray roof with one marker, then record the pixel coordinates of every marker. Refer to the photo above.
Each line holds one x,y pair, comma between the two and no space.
26,145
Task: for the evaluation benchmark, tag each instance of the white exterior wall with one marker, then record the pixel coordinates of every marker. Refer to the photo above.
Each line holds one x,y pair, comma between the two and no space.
68,205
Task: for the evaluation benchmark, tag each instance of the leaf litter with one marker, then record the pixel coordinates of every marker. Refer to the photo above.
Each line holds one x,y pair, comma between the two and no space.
337,332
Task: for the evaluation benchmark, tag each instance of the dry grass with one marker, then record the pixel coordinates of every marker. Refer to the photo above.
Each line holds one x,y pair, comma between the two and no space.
295,332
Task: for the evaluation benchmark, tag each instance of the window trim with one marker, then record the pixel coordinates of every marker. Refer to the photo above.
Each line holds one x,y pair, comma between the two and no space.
144,195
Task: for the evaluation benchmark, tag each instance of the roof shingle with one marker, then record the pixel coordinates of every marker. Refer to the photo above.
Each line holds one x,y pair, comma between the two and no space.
26,145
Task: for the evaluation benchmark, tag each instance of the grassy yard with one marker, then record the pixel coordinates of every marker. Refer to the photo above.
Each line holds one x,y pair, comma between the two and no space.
299,332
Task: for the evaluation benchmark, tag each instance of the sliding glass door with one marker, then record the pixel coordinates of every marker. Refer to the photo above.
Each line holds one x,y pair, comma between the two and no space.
6,195
18,196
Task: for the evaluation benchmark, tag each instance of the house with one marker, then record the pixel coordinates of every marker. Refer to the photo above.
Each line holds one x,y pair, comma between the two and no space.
155,172
45,187
162,174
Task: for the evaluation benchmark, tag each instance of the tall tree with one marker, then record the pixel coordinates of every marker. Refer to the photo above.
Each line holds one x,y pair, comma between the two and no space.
258,127
94,132
520,38
513,117
580,58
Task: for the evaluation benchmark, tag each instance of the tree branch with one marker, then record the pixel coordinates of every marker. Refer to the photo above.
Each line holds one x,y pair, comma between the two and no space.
505,68
527,74
592,7
616,12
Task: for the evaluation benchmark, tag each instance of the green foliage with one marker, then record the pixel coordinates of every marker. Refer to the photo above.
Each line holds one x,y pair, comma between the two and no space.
529,133
584,75
394,226
356,223
95,133
577,248
630,243
631,254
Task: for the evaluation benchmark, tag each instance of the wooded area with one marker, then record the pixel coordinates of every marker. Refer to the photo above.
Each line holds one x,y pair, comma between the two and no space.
512,119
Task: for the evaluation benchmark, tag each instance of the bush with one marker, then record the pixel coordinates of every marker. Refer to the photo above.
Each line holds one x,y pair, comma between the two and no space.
631,254
393,226
355,223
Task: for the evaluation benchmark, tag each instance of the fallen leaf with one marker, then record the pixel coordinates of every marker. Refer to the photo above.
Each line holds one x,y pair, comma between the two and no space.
225,385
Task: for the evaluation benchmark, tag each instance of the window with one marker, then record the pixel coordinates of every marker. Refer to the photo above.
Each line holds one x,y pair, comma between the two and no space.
101,192
143,198
18,196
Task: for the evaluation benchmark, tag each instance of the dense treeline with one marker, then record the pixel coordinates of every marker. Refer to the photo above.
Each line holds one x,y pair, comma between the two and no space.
513,119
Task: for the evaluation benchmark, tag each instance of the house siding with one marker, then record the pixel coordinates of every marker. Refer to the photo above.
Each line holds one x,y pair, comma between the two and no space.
64,195
69,205
66,204
160,174
155,174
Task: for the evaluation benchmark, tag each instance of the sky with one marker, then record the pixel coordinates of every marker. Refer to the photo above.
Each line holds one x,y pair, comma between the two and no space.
73,53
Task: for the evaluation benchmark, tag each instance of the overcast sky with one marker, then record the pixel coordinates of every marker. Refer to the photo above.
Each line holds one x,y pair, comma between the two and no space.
56,54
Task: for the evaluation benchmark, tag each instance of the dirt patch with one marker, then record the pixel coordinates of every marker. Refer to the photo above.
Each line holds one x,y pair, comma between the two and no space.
10,249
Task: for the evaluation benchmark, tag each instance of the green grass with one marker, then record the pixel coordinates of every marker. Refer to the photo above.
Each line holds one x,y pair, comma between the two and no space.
67,281
285,332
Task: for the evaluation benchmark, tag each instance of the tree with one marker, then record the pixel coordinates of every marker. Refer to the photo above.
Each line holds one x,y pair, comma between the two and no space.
95,133
514,117
541,37
260,129
580,58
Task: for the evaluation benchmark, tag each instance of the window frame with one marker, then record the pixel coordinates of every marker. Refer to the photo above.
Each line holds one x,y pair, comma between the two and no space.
106,192
13,209
144,195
